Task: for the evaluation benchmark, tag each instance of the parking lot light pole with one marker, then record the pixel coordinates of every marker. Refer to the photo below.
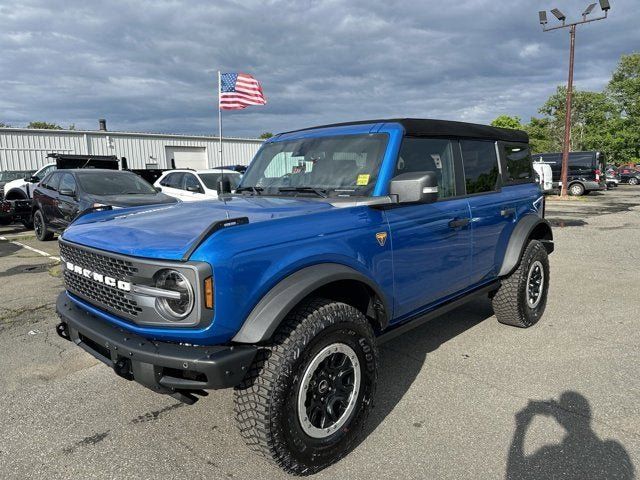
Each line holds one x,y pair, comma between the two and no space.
604,5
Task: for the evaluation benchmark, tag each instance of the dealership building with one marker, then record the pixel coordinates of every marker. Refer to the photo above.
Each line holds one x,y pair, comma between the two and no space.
27,149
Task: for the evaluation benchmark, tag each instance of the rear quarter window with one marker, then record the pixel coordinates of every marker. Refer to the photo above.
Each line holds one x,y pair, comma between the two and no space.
480,166
518,163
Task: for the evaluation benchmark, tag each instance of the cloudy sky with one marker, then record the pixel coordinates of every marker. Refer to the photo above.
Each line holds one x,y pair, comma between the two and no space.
150,65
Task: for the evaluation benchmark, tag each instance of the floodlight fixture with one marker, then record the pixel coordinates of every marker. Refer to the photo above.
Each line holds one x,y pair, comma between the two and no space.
588,10
604,5
558,14
543,17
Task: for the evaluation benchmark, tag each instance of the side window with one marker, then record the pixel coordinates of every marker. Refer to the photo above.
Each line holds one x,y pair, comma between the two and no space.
519,165
480,166
46,171
429,154
190,181
166,181
52,181
68,183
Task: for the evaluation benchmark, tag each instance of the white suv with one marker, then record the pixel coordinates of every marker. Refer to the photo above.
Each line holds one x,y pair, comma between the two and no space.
191,185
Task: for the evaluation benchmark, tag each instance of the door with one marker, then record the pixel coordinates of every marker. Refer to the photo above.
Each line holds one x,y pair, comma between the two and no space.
67,202
431,242
172,184
492,213
187,157
48,196
191,188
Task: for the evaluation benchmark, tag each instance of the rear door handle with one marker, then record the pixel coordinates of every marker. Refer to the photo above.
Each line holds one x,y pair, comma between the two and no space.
508,212
459,222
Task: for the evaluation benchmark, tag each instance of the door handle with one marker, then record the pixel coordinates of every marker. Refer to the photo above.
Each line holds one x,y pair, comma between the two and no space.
508,212
459,222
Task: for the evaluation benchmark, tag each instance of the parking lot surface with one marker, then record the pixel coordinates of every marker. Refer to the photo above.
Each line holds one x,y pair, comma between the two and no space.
460,397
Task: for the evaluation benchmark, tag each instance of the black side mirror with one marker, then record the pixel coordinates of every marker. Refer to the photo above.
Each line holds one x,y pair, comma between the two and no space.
224,186
32,179
194,189
158,189
67,192
415,187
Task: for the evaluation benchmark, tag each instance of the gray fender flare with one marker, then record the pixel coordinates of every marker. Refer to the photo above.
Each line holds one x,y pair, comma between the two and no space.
518,241
267,315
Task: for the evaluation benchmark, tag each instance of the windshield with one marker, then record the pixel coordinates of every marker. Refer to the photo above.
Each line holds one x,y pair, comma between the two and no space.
329,166
212,180
13,175
113,183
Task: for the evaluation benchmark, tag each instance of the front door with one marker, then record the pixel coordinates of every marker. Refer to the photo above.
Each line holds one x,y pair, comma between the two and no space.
67,202
431,242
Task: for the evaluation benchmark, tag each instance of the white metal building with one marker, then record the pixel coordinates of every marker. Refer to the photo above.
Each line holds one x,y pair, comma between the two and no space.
27,149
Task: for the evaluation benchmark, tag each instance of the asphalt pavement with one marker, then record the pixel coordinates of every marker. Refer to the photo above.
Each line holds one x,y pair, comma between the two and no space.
462,397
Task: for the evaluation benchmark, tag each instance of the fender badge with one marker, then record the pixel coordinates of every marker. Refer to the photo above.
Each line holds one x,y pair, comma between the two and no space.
382,238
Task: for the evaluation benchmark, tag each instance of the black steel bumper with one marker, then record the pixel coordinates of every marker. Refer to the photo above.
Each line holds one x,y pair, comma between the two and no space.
161,366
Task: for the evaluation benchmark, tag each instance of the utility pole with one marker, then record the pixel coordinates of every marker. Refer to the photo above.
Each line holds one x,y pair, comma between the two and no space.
604,5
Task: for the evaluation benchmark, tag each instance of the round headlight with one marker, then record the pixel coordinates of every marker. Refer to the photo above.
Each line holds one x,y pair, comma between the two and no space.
174,281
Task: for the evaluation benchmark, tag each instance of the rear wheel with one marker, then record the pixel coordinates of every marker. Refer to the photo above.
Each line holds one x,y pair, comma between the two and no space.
522,297
576,189
40,227
633,181
305,399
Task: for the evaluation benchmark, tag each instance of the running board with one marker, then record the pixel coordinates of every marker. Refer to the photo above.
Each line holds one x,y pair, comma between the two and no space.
407,325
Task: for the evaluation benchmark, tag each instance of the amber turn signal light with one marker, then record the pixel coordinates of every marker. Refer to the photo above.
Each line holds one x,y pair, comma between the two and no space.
208,293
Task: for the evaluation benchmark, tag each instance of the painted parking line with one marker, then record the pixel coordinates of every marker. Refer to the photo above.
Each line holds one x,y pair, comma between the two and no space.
39,252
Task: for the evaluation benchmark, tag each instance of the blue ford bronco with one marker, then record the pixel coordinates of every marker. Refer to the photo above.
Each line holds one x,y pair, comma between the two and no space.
338,238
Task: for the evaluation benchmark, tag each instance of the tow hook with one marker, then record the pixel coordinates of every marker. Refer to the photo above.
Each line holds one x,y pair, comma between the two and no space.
63,331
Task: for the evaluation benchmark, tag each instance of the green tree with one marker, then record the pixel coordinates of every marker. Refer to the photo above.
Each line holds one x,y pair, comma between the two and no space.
266,135
506,121
44,125
624,91
2,124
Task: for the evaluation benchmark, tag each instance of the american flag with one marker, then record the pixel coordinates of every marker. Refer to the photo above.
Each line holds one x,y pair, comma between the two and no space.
239,90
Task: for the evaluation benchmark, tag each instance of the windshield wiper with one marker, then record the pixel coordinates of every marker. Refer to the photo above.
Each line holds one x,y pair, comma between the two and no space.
254,190
318,191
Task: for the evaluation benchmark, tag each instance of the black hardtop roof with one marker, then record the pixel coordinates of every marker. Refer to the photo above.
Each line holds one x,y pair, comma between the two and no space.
426,127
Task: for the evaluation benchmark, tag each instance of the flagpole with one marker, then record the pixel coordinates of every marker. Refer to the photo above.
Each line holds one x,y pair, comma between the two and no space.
220,116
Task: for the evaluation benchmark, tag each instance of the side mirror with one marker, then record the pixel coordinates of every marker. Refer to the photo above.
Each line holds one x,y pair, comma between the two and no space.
67,192
194,189
158,189
415,187
224,186
32,179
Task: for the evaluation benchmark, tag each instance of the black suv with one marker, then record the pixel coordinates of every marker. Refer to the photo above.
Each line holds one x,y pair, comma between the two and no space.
585,173
63,194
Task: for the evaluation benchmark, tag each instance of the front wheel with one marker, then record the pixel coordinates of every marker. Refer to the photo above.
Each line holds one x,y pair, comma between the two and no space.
40,227
305,400
522,297
576,189
633,181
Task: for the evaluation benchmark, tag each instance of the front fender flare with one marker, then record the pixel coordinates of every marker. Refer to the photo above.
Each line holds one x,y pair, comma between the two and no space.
267,315
519,239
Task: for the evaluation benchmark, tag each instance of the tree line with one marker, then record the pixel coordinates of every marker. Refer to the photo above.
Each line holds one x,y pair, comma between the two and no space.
606,121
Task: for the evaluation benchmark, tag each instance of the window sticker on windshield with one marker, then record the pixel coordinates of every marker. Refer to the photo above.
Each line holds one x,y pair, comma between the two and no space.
363,179
437,160
299,168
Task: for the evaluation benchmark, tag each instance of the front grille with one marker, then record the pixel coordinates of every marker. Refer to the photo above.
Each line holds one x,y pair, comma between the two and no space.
101,294
97,293
113,267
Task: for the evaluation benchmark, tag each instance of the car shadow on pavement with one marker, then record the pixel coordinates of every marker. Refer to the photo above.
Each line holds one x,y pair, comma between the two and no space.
402,358
581,454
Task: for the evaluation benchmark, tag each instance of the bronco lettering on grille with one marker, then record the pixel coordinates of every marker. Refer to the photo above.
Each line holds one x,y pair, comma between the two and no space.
98,277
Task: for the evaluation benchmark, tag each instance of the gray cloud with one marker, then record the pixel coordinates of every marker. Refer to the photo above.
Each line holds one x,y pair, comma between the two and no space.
151,65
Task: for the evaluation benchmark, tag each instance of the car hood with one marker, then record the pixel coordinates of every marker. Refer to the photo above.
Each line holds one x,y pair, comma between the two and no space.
133,200
168,231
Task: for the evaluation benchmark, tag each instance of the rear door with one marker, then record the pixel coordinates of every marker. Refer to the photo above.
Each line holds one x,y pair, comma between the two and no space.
172,184
492,212
431,242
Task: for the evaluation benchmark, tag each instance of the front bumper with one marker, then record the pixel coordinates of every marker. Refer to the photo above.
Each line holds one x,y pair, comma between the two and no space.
161,366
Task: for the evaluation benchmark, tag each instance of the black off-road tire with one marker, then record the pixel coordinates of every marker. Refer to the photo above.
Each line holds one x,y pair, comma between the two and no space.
510,301
266,408
40,227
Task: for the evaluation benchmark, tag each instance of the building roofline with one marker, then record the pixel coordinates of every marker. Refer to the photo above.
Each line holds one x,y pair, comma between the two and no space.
130,134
